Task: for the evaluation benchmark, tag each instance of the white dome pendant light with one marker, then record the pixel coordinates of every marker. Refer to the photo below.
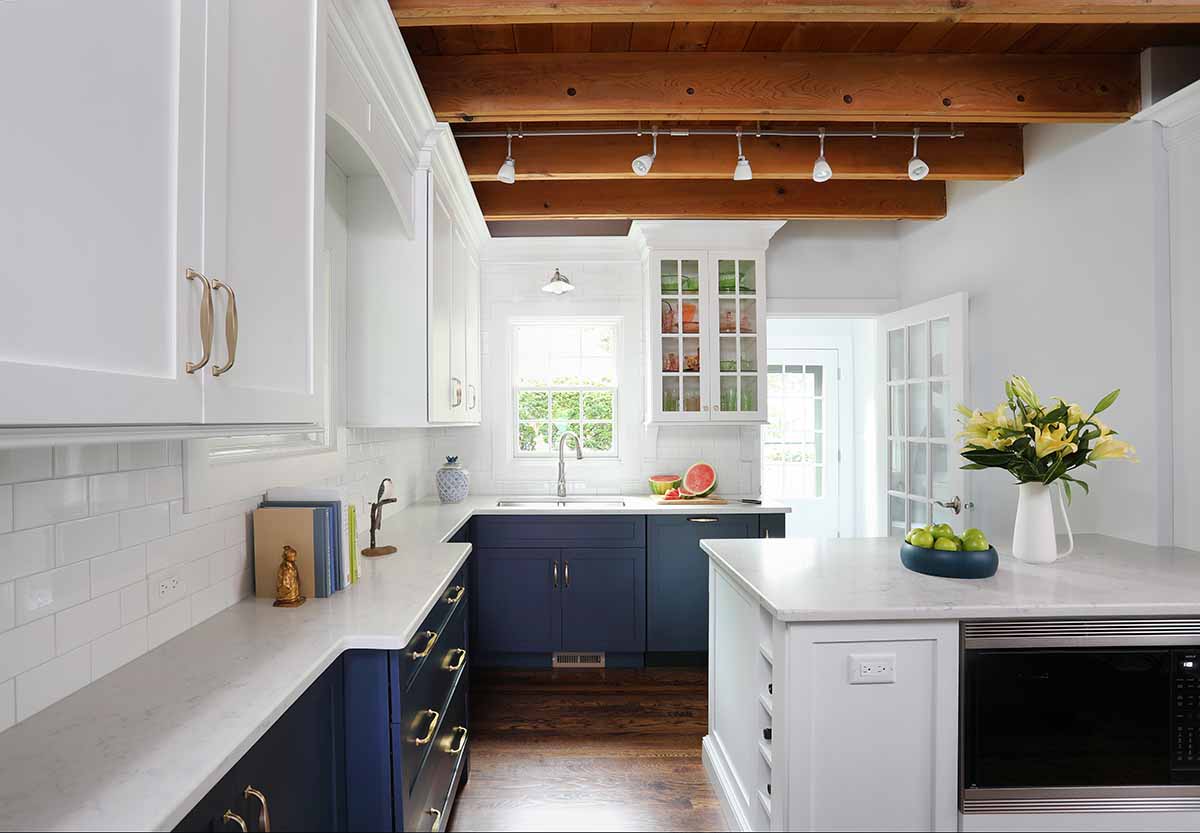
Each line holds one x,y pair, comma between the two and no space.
558,284
643,164
508,171
741,171
822,172
917,167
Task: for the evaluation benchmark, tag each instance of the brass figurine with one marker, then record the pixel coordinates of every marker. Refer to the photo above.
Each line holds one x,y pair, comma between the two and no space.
287,581
377,520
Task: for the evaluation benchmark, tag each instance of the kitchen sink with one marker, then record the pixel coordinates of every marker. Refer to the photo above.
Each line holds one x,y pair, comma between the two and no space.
590,502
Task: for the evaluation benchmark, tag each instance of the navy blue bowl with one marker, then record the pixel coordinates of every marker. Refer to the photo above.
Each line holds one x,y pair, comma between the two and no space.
961,564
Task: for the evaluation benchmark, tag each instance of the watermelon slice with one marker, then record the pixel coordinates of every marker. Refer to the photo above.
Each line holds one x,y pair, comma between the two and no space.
660,484
699,481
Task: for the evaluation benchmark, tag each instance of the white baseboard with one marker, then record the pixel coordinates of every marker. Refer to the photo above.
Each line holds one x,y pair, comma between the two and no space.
719,776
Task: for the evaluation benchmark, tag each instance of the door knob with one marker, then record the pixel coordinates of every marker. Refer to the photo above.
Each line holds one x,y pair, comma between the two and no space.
957,505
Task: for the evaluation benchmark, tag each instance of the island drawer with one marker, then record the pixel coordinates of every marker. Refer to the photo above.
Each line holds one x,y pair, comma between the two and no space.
532,531
432,782
407,663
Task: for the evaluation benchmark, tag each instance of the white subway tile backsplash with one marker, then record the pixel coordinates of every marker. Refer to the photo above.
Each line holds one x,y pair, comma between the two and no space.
8,704
114,492
164,484
227,562
117,648
49,502
23,553
143,455
8,611
82,539
212,600
133,603
168,623
45,593
168,552
118,569
18,465
49,683
72,460
25,647
81,624
145,523
6,519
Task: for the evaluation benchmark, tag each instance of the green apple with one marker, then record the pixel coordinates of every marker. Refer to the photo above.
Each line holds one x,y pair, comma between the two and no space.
922,538
947,544
942,531
973,531
975,541
908,538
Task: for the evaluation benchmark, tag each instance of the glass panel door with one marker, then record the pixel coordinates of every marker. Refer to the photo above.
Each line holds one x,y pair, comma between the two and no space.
682,333
740,315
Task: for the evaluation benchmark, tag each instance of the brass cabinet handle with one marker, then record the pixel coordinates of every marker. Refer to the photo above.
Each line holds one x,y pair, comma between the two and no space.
231,327
566,573
231,816
433,722
703,520
206,322
554,570
455,595
264,816
462,740
424,652
437,819
462,660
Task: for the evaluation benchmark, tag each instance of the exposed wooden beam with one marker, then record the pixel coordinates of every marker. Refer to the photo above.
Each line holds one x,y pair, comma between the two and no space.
472,12
759,199
987,152
794,86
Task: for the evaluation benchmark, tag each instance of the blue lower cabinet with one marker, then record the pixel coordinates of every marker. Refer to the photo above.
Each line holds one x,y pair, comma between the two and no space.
519,606
603,600
772,526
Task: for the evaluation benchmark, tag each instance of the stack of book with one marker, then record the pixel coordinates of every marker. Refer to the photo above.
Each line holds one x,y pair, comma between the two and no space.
321,526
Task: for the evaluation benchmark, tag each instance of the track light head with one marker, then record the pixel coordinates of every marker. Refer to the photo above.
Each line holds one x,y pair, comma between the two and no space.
822,171
918,169
741,171
643,163
508,171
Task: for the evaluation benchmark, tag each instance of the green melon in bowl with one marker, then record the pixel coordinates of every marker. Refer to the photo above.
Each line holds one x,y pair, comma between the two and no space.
660,484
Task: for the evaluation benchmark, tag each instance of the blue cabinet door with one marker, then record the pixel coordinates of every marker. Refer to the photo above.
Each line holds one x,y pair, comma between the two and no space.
677,583
604,600
518,600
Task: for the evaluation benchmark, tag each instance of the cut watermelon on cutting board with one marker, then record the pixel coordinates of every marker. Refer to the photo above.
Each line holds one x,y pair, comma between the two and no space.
699,481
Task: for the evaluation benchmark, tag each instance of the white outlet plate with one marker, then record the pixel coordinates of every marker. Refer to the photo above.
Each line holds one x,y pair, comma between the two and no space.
872,669
170,589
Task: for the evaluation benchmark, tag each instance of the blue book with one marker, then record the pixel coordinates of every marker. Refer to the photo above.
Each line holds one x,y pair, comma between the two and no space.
332,515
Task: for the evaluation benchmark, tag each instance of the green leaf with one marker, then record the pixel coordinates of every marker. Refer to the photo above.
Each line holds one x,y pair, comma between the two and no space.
1107,401
533,404
1067,490
974,467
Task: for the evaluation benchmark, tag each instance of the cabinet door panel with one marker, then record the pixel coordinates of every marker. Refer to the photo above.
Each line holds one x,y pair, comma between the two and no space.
101,209
677,604
519,605
474,359
441,299
604,600
458,326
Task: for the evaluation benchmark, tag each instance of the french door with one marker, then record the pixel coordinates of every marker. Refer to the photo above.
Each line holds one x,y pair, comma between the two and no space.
922,377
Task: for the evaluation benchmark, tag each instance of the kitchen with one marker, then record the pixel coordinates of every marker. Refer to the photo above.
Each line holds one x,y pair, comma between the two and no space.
471,284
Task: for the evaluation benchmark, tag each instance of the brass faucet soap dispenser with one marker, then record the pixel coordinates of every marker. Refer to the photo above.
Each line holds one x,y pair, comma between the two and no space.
377,519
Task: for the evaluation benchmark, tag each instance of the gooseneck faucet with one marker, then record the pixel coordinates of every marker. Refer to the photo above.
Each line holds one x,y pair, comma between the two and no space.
562,465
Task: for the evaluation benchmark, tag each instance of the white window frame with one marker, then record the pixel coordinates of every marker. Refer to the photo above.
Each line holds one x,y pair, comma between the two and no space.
514,420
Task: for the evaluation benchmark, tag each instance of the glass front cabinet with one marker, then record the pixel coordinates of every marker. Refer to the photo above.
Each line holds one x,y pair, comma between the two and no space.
707,330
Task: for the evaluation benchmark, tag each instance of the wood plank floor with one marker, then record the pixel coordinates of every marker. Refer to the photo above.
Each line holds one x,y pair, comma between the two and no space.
612,749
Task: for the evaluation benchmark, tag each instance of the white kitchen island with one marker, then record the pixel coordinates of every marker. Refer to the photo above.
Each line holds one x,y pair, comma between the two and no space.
834,675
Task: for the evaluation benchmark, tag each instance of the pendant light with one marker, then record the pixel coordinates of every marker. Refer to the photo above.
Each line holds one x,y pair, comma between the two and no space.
822,172
508,171
917,167
741,171
643,164
558,284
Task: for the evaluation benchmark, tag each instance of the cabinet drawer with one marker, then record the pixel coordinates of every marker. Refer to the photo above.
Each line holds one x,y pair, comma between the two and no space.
560,531
413,658
436,776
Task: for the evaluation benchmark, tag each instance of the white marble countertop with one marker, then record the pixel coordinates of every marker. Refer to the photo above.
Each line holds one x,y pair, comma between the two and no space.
138,748
856,579
634,505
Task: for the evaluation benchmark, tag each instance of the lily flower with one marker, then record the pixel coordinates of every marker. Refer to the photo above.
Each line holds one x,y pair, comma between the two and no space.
1024,391
1109,447
993,439
1053,438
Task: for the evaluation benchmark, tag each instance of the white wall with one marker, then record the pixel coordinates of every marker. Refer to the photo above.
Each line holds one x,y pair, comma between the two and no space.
1067,287
834,259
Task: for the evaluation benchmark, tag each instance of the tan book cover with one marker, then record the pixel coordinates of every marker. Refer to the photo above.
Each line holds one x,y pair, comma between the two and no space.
273,528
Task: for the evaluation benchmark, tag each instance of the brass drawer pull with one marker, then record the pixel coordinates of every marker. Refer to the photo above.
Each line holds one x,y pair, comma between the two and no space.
432,638
433,722
231,816
455,594
264,816
206,324
456,749
231,328
437,819
461,660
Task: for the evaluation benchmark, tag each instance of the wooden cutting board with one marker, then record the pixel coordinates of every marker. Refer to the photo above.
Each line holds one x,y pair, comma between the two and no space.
711,500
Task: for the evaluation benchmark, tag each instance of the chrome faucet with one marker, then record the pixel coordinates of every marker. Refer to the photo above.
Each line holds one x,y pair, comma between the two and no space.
562,465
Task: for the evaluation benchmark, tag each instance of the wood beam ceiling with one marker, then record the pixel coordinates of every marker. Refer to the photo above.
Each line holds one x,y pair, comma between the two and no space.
810,86
987,152
758,199
485,12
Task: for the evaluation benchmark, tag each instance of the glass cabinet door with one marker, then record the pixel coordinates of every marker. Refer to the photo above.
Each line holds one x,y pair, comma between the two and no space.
738,390
682,334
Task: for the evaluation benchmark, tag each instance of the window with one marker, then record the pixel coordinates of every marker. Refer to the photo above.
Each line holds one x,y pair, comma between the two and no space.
565,379
794,439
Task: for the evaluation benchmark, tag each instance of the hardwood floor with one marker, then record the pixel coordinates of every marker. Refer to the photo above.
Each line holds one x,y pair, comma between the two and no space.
610,749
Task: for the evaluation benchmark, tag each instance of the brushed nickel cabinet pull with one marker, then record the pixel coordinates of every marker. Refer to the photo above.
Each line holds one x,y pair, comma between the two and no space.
474,397
231,327
206,322
554,571
231,816
456,391
566,573
703,520
264,816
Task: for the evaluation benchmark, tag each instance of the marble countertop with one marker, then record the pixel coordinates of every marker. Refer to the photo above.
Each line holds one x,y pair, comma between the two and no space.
634,505
857,579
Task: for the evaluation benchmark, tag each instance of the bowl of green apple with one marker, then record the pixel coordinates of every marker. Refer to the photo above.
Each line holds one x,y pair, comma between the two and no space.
939,551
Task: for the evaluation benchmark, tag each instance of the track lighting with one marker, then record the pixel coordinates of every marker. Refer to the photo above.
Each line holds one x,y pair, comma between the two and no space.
558,284
741,171
643,164
508,171
821,170
917,168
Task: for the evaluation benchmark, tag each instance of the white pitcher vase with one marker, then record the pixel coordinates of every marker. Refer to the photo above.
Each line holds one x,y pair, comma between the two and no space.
1033,534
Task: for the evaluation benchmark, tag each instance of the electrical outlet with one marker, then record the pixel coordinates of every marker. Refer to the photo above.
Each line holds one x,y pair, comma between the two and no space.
872,669
169,589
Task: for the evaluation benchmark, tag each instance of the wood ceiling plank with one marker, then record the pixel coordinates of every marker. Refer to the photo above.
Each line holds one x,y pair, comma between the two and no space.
730,36
572,37
710,199
421,40
611,37
534,37
795,86
883,37
650,37
495,39
924,36
1001,36
456,40
1080,38
1041,38
962,38
768,36
689,36
987,152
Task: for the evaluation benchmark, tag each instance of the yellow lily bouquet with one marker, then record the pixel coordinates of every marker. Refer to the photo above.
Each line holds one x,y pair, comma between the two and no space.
1039,443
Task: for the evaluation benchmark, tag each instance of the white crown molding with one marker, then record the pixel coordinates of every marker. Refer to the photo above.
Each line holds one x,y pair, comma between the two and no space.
1178,113
707,234
446,163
